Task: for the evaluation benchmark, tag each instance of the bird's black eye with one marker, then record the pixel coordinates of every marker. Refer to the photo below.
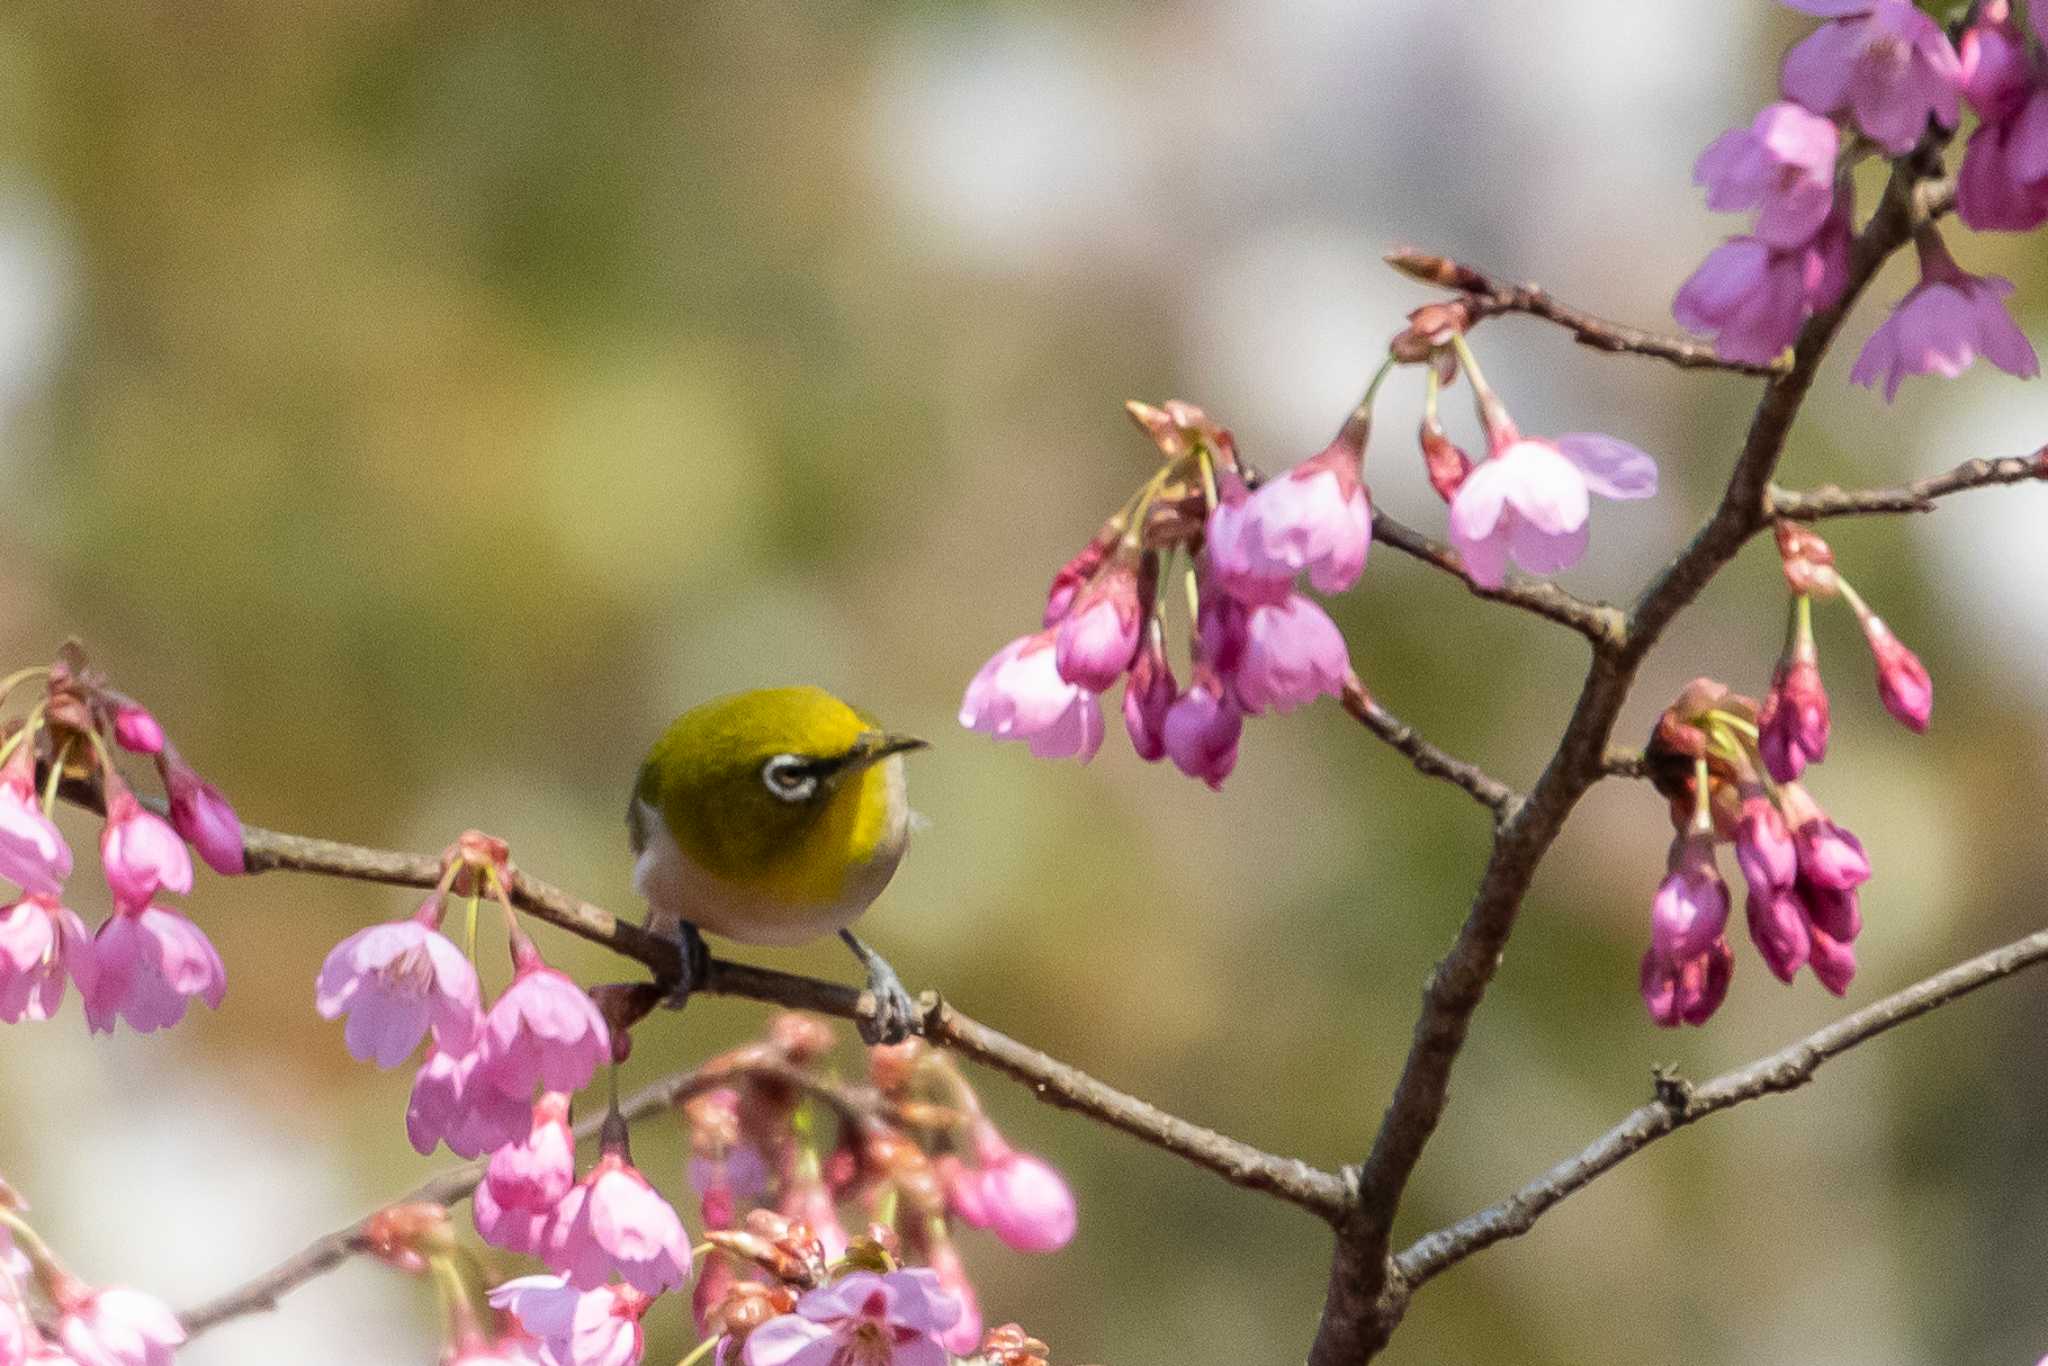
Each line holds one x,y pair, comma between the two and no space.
790,778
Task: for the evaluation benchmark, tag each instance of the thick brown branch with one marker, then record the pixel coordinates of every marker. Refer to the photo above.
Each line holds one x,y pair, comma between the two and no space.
1489,296
1358,1318
1918,496
1678,1105
1430,761
1596,621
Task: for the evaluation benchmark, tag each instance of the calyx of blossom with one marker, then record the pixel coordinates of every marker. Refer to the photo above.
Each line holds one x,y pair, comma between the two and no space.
1178,428
1442,460
1010,1345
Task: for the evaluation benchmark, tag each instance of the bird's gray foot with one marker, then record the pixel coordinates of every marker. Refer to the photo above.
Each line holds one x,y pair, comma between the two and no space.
696,965
895,1014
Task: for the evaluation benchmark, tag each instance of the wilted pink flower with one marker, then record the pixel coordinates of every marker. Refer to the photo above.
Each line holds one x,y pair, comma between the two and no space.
148,963
1530,499
1752,298
1691,907
1943,324
1202,729
599,1327
32,852
41,944
1902,680
1019,695
203,816
136,730
1315,518
1022,1199
452,1103
1884,60
1148,693
1443,460
543,1031
537,1172
142,855
1293,654
1792,724
1686,992
615,1223
394,981
1783,162
2003,183
862,1319
1099,635
117,1326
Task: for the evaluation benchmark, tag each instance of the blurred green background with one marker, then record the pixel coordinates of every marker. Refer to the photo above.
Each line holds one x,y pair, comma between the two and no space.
419,404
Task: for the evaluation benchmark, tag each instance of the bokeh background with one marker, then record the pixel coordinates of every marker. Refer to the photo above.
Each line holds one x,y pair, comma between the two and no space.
418,404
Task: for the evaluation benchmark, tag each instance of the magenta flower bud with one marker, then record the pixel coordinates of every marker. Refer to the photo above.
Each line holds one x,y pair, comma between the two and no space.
1019,695
1293,654
1830,856
1784,162
1833,962
1885,61
1835,911
1202,730
1943,324
543,1031
1223,630
1778,928
1764,848
2003,183
1099,636
1688,992
1148,693
1314,519
136,730
139,852
615,1224
1902,681
1028,1205
1691,906
204,817
148,964
42,944
1792,724
32,851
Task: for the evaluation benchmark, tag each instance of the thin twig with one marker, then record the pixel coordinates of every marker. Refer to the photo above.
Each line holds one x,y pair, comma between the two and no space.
1489,791
1488,296
1596,621
1678,1105
1918,496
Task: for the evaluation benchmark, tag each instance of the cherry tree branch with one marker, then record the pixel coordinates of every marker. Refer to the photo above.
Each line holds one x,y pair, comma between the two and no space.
1430,761
1918,496
1367,1295
1050,1080
1679,1104
1596,621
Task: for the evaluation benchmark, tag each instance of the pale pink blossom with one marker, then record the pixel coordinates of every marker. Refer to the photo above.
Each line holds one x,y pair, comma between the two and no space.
1943,324
1315,518
148,964
543,1031
42,944
1202,729
862,1319
136,730
599,1327
1019,695
1792,724
32,852
1883,60
140,852
396,980
1529,500
203,816
538,1171
1753,298
451,1103
1293,654
1784,164
615,1223
1099,635
116,1326
1149,691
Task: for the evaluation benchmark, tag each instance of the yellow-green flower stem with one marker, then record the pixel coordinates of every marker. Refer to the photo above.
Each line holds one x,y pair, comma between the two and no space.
1194,598
1380,377
469,930
19,677
1799,627
1432,390
28,729
1493,414
457,1296
1854,598
697,1353
56,774
50,1273
885,1206
1702,813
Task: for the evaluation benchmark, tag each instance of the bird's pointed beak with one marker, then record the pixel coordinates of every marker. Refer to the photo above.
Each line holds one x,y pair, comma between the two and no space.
874,748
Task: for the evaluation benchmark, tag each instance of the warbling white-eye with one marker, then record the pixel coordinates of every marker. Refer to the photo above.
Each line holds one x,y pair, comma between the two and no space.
773,817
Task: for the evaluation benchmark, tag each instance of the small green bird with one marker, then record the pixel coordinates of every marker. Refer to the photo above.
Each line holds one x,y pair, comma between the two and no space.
773,817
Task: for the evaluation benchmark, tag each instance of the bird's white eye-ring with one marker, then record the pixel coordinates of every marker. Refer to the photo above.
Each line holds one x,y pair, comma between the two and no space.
790,778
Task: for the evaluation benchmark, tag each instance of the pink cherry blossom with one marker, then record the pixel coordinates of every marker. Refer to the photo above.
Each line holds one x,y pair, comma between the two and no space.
452,1103
116,1326
394,981
1792,724
1293,654
615,1223
1098,637
1752,298
2003,183
543,1031
1314,519
136,730
1902,681
1019,695
140,852
32,852
1943,324
514,1228
1883,60
41,945
599,1327
862,1319
1529,499
148,963
1202,729
538,1171
1022,1199
1784,162
1148,693
204,817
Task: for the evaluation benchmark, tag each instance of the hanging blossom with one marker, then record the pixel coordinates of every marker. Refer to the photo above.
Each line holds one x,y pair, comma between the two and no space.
599,1327
544,1031
2003,183
42,946
1883,61
614,1224
397,980
864,1319
1943,324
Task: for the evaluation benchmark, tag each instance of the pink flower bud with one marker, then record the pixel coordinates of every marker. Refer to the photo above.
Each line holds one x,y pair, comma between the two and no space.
1686,992
203,816
1202,730
615,1224
1829,856
1099,636
1902,681
1027,1203
1778,928
1833,962
536,1173
1691,906
1293,654
140,853
136,731
1148,693
1792,725
1764,848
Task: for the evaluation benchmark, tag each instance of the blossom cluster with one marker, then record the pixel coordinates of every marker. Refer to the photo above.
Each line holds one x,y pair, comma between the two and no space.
1732,768
146,961
1869,80
49,1317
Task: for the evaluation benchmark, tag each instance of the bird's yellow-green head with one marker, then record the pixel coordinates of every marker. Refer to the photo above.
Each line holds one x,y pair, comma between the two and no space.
783,794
